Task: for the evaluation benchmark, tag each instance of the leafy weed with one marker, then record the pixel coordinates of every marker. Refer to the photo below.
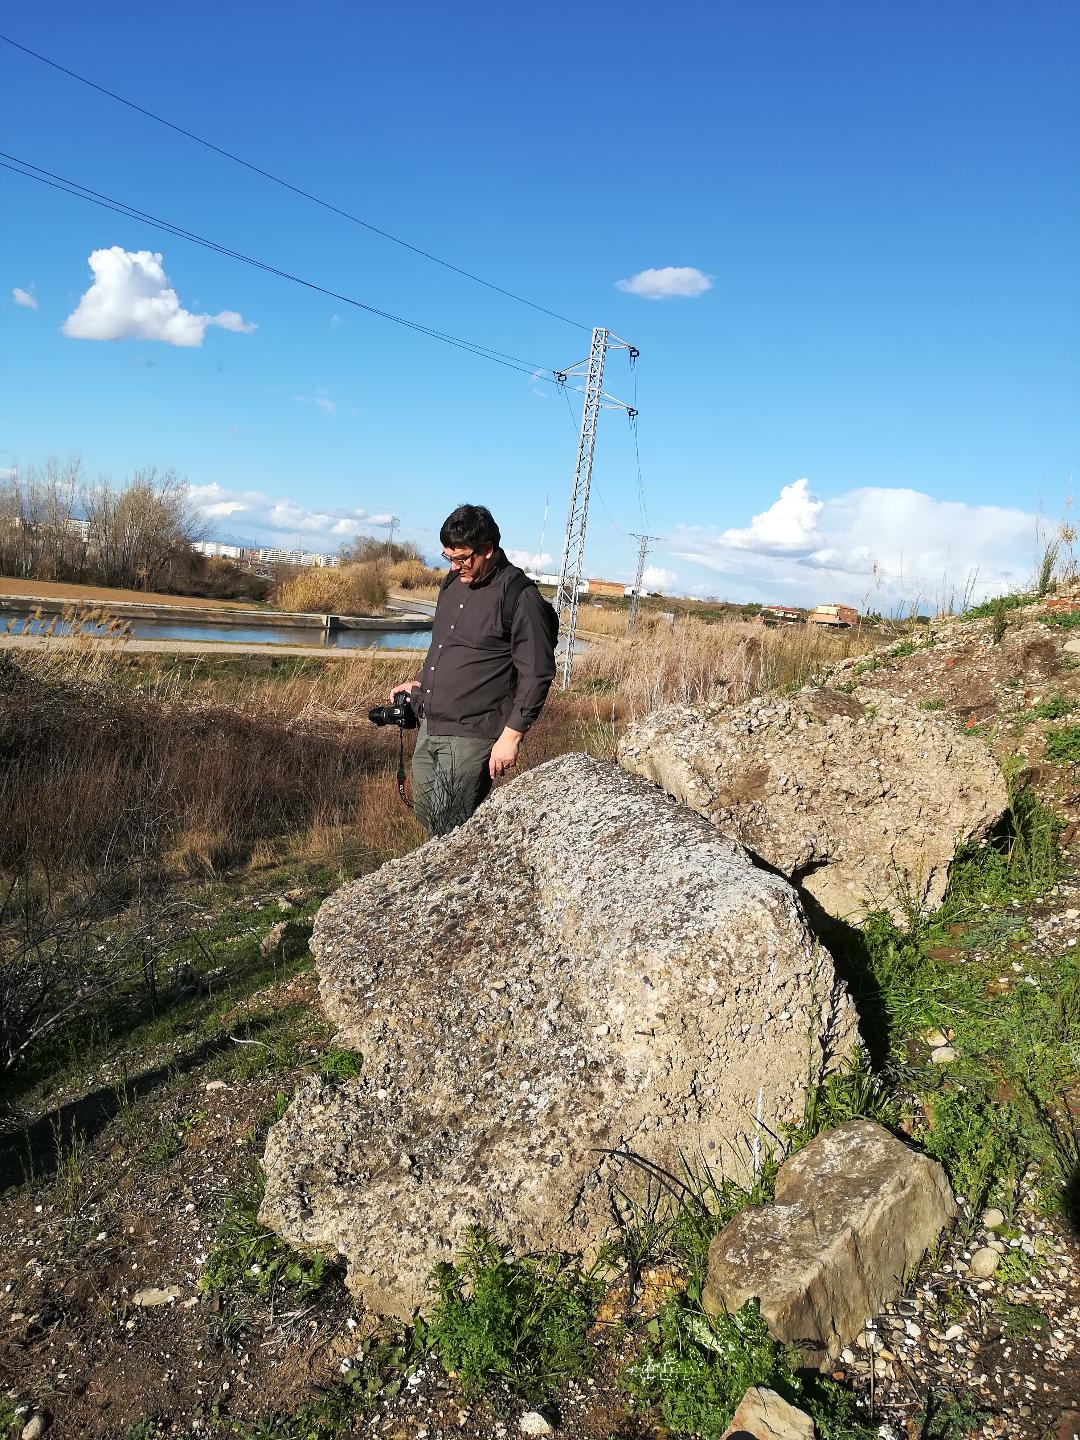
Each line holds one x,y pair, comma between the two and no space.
521,1322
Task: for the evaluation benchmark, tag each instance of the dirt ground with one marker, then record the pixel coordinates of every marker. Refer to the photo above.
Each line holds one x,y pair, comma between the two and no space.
171,1130
104,594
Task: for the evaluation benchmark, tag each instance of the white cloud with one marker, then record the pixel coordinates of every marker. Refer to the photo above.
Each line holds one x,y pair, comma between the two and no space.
877,547
281,520
788,525
24,298
223,507
131,299
321,401
672,282
655,577
335,321
525,561
9,473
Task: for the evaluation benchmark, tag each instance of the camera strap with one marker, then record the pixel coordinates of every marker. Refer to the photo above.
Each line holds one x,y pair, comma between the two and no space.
401,769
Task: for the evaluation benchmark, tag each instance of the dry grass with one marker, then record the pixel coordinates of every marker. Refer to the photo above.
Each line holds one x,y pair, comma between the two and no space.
697,663
206,770
414,575
97,770
346,590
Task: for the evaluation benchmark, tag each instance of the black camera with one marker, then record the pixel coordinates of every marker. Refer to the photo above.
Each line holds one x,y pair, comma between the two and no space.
399,712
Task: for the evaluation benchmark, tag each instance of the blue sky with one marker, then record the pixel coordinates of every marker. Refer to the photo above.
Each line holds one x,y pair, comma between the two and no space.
875,395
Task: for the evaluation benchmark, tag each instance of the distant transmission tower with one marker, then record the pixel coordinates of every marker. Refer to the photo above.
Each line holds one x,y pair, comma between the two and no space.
570,572
642,551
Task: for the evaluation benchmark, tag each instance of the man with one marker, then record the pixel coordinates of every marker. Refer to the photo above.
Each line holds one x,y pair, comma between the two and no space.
486,675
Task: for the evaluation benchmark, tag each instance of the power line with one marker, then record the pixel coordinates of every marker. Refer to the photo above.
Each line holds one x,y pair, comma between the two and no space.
286,184
30,171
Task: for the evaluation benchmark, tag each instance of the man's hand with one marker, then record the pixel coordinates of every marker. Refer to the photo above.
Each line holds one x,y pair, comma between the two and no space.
504,752
410,685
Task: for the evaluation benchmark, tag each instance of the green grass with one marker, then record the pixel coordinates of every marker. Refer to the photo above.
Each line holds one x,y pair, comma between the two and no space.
1022,1322
520,1322
246,1256
1002,1108
1063,619
1063,745
989,608
336,1064
1056,707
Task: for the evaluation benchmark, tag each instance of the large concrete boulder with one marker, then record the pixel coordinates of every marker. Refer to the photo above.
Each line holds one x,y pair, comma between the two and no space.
583,967
855,1211
863,805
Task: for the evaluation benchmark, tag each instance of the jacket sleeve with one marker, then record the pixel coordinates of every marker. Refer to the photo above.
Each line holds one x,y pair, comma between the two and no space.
534,659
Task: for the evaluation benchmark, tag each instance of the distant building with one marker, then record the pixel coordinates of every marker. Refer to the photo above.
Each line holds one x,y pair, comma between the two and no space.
778,615
833,617
215,550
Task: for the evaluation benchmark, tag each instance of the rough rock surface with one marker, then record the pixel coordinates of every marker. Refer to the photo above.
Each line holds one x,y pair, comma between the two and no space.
860,804
582,967
764,1415
855,1211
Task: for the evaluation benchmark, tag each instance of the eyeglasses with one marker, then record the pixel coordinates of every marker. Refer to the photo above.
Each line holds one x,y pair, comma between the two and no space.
460,560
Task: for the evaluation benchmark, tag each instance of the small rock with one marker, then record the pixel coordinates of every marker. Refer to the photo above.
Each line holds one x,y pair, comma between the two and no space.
954,1332
273,938
993,1219
1068,1427
152,1296
942,1055
216,1085
533,1423
764,1415
936,1038
36,1426
984,1262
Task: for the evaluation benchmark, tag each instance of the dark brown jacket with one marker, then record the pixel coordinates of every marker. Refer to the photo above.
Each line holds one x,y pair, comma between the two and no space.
475,680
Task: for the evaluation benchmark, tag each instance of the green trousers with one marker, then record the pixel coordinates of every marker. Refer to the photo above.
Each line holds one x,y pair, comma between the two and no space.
450,778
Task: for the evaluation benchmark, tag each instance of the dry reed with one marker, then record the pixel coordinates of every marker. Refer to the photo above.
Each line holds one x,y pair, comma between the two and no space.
697,663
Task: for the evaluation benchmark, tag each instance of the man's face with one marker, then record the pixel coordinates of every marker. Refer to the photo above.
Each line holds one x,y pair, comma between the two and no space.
470,564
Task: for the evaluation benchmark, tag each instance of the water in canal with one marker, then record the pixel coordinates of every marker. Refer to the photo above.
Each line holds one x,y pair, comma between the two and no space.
148,629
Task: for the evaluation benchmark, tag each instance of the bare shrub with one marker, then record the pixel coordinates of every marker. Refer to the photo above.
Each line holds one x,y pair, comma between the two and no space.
344,590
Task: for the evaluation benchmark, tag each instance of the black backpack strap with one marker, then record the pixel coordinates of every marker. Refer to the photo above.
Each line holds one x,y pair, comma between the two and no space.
511,596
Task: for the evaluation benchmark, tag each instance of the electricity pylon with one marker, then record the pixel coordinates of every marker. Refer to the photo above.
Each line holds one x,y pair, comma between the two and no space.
596,399
635,598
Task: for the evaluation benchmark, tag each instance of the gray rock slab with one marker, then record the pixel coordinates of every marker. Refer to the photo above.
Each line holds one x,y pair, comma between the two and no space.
765,1415
855,1211
864,804
583,967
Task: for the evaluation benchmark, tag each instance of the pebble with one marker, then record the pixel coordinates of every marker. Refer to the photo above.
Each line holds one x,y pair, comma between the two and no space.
216,1085
35,1427
152,1296
942,1055
984,1262
993,1219
533,1423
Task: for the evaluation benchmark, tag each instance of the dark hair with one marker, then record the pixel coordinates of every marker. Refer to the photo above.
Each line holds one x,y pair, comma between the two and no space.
471,525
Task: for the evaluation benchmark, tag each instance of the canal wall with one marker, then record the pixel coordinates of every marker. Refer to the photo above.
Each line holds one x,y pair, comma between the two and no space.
213,615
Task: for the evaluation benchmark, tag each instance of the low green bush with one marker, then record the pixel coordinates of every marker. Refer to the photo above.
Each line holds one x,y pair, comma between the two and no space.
519,1322
697,1367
